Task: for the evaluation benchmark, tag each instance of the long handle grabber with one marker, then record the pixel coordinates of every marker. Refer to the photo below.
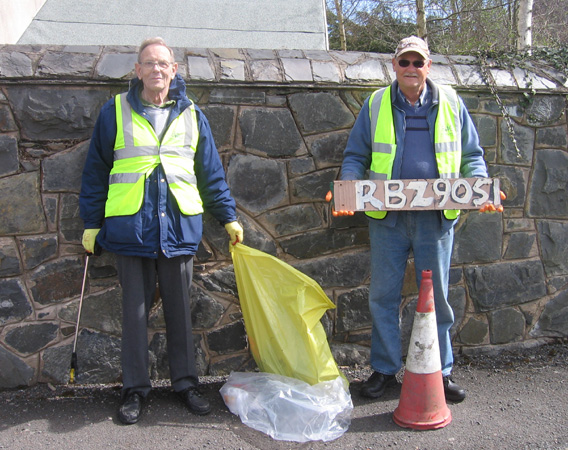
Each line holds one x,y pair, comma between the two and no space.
74,355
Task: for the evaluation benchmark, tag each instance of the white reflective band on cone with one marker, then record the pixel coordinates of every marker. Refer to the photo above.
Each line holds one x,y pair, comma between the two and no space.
424,351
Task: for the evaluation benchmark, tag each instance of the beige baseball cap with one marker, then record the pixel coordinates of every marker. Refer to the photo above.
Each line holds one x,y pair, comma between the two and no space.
412,44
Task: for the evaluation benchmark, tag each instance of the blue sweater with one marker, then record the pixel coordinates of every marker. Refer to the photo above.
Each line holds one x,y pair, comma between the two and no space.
159,226
357,154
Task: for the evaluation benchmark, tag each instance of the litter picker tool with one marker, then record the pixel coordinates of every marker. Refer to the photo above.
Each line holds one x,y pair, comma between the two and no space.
73,370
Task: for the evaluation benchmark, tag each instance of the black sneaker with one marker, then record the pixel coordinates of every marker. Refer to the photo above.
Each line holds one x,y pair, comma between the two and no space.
129,411
376,385
453,391
195,401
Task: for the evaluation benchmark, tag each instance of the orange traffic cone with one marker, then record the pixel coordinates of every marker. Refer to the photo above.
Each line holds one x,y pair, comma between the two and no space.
422,403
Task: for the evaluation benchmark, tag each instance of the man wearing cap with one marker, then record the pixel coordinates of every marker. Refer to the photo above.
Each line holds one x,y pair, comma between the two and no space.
412,129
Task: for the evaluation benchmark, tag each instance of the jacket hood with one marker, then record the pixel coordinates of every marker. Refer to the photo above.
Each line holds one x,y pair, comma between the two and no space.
176,92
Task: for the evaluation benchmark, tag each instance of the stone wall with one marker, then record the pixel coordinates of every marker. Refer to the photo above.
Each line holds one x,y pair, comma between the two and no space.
280,120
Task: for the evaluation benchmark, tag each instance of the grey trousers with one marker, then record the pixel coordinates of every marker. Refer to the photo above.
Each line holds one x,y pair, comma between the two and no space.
137,277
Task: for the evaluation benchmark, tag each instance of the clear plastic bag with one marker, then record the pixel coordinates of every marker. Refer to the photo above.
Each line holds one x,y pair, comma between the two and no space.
289,409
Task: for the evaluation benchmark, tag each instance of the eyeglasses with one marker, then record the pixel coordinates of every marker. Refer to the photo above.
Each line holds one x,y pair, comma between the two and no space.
151,64
419,63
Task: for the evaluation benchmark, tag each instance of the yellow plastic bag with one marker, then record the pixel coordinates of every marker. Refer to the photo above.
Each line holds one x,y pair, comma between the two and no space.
282,308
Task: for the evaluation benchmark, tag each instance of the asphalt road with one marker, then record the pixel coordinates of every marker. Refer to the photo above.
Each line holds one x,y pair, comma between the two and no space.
515,401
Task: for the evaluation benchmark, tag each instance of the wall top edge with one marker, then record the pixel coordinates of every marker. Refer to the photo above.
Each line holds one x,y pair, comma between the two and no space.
274,67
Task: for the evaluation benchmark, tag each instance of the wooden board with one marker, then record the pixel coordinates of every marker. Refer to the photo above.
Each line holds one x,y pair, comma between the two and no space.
401,195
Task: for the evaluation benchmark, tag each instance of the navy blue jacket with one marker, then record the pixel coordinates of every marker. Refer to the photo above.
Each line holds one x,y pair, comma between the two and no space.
159,226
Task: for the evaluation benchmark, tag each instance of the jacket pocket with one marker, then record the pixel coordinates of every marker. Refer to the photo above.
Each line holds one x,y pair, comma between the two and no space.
124,229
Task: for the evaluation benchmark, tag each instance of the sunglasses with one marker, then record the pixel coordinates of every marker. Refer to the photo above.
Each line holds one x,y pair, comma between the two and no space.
405,63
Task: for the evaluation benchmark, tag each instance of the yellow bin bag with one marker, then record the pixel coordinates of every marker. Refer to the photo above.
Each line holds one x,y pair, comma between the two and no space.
282,308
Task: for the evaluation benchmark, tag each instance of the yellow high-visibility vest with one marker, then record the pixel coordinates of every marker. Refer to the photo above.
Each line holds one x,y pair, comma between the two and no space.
138,151
447,139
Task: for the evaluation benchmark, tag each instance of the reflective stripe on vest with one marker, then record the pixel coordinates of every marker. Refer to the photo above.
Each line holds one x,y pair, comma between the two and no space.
447,139
137,152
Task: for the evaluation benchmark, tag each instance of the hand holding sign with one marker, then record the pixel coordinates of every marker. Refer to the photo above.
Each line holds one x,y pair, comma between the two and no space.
490,207
335,213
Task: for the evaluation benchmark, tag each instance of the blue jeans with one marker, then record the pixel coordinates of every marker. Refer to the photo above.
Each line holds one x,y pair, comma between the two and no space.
390,248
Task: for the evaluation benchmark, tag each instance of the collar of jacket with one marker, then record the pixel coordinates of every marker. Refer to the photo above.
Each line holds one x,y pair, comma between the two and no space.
176,92
431,85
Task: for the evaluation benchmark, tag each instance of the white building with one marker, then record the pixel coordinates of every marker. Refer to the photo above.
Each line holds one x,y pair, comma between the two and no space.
259,24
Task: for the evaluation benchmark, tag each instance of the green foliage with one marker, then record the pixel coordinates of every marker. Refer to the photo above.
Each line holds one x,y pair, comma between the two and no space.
540,58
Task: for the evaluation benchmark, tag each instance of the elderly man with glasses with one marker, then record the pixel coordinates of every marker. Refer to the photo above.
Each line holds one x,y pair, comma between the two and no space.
405,131
151,172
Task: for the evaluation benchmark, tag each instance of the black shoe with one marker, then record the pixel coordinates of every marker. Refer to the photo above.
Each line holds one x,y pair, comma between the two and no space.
195,402
453,391
375,386
129,411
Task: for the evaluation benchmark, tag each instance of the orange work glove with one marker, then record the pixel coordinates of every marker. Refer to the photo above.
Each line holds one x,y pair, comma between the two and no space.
490,207
335,213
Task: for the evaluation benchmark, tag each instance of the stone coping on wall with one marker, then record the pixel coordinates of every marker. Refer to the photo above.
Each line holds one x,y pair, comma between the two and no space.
309,68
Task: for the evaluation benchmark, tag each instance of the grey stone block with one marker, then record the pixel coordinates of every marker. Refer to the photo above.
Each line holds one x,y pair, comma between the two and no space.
15,372
9,159
220,120
70,223
327,150
101,311
205,310
117,65
270,131
21,206
312,244
57,112
29,339
525,140
38,249
353,310
267,190
313,186
478,238
292,219
486,128
227,339
66,63
506,325
553,237
15,65
56,281
513,182
9,258
546,110
549,184
343,270
520,245
554,319
199,68
267,71
63,171
7,122
14,302
318,112
552,137
497,285
474,332
98,358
